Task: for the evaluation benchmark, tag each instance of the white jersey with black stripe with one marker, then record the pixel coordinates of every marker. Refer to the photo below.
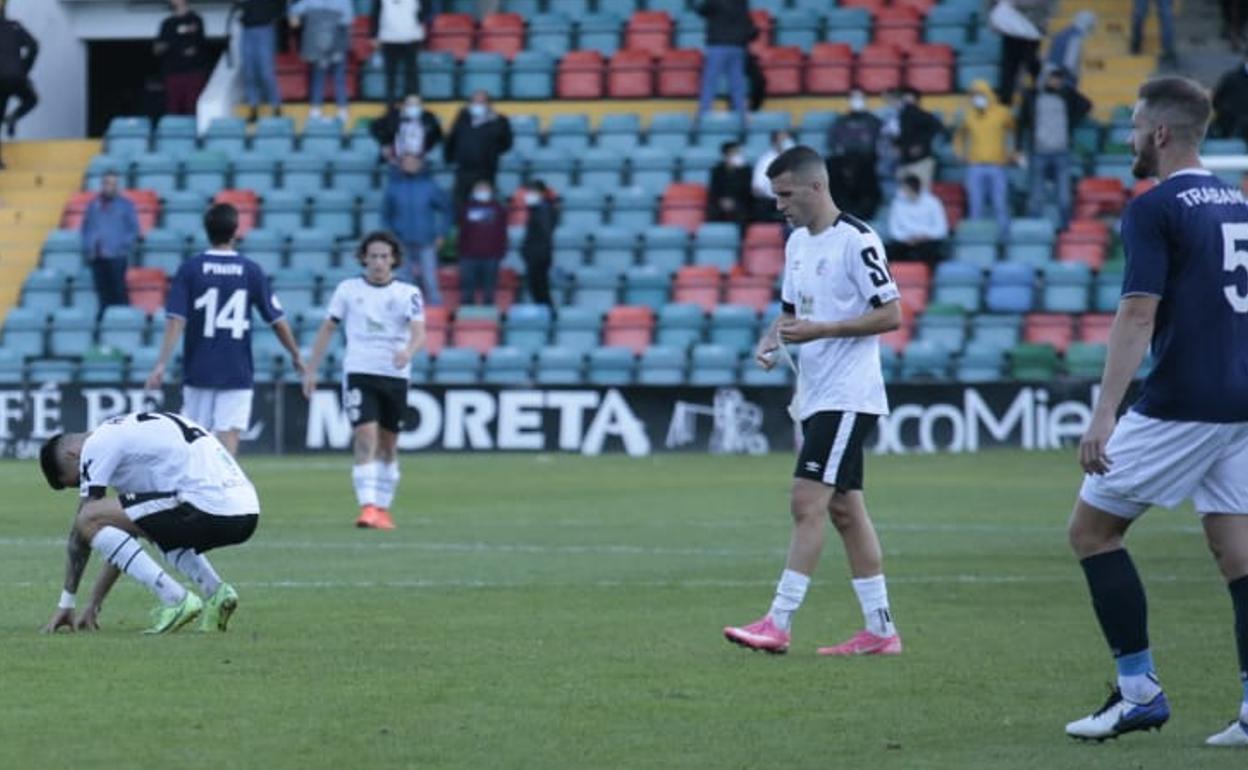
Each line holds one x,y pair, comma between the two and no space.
158,460
377,321
838,274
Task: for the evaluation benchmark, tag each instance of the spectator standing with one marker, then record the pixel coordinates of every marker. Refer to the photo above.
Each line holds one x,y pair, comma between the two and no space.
984,135
110,231
1165,17
917,225
482,244
259,19
764,205
1022,26
729,30
407,128
917,129
852,156
1066,50
1046,124
1230,103
418,212
398,28
1233,13
326,40
181,48
538,248
478,138
18,51
728,199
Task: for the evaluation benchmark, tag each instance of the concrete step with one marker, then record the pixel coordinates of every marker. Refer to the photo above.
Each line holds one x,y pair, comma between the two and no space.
66,181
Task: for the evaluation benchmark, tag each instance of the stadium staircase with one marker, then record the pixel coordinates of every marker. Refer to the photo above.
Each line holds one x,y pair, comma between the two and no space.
1111,74
39,179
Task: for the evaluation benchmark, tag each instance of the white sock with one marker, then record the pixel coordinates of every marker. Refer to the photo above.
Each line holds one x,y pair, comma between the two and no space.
873,597
125,553
790,592
1139,688
195,567
387,483
364,477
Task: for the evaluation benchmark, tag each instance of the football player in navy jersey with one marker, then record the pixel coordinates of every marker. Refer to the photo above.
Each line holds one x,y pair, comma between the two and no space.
1186,435
211,298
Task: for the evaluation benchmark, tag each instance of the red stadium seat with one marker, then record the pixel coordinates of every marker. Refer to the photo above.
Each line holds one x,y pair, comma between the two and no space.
146,287
914,280
697,285
879,69
292,77
502,33
1088,230
649,31
953,196
898,338
1091,254
1094,327
452,32
680,72
754,291
922,6
1099,196
448,285
763,250
436,323
683,205
506,288
146,207
929,68
829,70
899,26
871,5
1056,329
782,67
580,75
629,326
764,23
630,75
480,334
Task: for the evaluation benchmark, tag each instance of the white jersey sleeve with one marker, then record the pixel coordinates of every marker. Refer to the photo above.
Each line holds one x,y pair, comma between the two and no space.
337,309
97,464
415,304
867,266
788,294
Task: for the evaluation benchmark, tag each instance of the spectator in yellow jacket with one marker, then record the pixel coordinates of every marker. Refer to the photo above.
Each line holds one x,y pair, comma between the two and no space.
985,137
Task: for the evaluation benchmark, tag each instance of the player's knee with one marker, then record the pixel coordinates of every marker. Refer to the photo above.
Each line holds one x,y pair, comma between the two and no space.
1087,541
842,513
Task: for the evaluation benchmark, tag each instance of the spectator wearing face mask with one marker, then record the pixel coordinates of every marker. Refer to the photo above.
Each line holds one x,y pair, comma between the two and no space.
398,28
1230,103
539,240
728,199
482,244
984,140
110,230
760,184
478,138
917,129
852,156
1046,125
418,212
407,128
917,225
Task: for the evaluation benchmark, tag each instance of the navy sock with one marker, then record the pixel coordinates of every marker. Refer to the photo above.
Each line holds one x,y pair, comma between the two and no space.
1118,599
1239,597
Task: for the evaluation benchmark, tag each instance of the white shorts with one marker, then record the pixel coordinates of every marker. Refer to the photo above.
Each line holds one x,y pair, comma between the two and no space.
218,410
1161,462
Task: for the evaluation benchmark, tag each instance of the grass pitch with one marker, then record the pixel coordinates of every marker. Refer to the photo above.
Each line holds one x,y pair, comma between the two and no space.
565,612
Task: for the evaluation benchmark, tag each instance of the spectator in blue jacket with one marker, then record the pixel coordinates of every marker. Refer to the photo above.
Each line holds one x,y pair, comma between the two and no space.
418,212
110,230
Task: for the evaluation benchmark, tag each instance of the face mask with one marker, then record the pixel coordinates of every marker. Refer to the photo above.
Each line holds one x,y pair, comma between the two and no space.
481,196
857,103
477,110
411,113
736,160
980,101
532,199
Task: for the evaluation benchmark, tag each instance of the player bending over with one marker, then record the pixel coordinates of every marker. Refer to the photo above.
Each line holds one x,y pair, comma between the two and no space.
837,297
385,325
1187,434
178,487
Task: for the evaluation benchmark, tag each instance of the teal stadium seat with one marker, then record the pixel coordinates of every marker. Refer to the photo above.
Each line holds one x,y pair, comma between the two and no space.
304,172
734,327
265,247
610,366
958,283
1067,287
45,289
531,75
632,207
62,250
1002,330
456,366
614,247
176,135
549,33
71,332
122,327
282,210
981,362
647,285
255,170
156,171
665,247
334,212
25,330
527,327
205,171
602,168
619,131
569,133
583,208
712,365
321,136
596,31
661,365
437,75
653,169
183,210
577,328
718,244
228,135
127,136
925,360
558,365
596,288
274,134
163,248
680,325
483,71
507,366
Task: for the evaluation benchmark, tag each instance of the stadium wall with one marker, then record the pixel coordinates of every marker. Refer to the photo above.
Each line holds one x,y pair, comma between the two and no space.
588,420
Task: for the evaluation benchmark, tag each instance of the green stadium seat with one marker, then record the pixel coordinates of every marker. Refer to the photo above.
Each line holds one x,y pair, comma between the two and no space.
1033,363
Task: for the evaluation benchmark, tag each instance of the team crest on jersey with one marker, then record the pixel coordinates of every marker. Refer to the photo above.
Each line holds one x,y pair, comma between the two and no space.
805,305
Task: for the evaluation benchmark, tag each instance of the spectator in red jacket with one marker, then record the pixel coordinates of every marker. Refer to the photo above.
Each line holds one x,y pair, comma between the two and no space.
482,244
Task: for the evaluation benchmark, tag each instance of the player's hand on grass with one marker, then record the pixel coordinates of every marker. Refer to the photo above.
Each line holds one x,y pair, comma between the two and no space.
63,619
155,377
799,330
89,620
1092,454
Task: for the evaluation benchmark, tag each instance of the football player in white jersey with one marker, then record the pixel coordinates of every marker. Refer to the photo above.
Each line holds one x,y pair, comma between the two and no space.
385,325
178,487
838,296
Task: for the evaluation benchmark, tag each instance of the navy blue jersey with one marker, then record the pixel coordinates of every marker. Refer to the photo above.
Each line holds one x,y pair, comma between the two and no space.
215,292
1187,242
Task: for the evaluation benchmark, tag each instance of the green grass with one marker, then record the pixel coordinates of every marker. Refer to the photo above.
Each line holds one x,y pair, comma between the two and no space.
565,612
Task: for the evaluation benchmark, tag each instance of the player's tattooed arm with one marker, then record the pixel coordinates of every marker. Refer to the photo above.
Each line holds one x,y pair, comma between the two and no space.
77,554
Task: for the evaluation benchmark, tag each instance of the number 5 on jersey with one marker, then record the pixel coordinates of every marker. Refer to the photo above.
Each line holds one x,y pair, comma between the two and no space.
232,315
